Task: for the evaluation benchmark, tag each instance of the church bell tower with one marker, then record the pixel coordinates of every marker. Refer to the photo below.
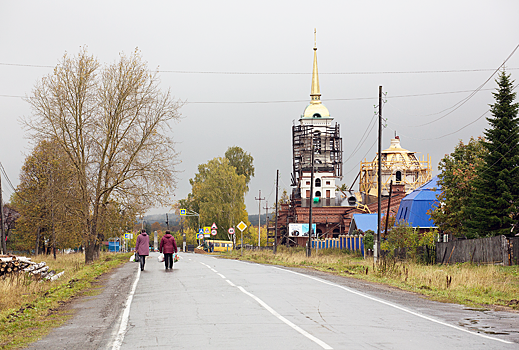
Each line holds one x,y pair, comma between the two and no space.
316,131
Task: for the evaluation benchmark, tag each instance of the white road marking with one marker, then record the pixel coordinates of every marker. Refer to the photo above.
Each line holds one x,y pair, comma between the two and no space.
232,284
394,306
295,327
126,315
275,313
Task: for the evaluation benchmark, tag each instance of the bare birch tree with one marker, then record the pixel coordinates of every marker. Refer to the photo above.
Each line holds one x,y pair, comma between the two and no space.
113,123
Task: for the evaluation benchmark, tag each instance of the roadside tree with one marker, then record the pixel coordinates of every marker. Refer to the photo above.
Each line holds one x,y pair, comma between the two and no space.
494,207
241,161
47,201
458,172
218,194
112,123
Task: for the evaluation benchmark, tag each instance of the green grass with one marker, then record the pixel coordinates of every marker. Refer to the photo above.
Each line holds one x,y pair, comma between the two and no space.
469,284
30,308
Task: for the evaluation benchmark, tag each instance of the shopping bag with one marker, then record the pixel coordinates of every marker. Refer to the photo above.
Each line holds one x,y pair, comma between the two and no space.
160,258
175,257
136,257
132,258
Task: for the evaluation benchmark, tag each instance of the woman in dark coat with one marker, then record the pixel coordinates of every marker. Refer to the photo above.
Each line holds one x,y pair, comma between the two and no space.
168,246
142,247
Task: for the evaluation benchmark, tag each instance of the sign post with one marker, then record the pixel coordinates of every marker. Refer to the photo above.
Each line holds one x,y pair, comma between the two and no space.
185,212
241,226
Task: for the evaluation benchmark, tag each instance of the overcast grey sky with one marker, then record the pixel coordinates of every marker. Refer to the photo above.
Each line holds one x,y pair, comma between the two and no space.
358,42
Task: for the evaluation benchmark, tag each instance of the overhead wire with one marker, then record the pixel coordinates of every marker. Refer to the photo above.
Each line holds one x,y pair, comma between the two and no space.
454,132
7,177
472,94
284,73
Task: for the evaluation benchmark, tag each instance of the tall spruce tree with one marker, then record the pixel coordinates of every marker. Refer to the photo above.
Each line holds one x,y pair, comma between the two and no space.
494,206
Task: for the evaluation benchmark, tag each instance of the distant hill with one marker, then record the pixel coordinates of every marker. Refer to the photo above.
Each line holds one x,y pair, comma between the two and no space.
175,219
161,218
254,219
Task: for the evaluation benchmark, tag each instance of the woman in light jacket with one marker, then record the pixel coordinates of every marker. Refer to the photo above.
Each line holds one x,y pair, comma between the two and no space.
142,247
168,246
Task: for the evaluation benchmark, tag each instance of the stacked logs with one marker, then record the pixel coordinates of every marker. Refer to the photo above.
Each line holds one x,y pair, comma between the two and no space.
11,264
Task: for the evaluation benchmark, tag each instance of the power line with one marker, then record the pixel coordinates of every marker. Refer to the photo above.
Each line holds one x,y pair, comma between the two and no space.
369,150
287,73
303,101
454,132
7,177
472,94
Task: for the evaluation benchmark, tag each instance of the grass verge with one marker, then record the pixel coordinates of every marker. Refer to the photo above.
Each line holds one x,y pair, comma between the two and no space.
29,309
482,286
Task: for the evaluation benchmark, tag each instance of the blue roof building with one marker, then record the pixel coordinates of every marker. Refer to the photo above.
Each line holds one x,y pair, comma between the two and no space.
363,222
414,207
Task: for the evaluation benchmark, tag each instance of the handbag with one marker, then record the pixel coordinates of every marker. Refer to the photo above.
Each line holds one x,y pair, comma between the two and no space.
136,257
160,258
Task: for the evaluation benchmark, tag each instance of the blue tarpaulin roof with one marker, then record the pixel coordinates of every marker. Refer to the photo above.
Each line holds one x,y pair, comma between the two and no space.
413,207
364,222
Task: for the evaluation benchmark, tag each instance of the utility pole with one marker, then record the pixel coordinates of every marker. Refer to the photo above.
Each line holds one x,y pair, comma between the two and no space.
259,217
266,207
3,245
376,253
388,207
309,244
276,225
167,221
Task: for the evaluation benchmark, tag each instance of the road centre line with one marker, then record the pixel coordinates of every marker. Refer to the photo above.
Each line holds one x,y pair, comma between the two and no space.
222,276
126,315
275,313
232,284
295,327
394,306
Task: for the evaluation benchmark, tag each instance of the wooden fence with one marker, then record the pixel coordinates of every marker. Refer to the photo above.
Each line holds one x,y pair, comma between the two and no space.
490,250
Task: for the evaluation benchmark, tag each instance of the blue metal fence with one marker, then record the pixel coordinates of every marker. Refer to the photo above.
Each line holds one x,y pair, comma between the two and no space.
353,243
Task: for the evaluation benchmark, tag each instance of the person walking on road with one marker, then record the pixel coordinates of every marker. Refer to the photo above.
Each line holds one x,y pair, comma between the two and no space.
142,247
168,246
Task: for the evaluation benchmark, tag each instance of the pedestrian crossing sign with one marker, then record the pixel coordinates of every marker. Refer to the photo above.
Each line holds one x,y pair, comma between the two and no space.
182,211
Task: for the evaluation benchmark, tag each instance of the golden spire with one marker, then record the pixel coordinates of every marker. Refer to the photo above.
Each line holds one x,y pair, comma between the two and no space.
315,93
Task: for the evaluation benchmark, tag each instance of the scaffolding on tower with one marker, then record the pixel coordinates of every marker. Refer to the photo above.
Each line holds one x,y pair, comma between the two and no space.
327,147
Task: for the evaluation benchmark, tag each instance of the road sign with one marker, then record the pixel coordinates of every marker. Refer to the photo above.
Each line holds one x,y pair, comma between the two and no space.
182,211
213,227
231,231
207,230
241,226
200,236
128,235
201,231
213,232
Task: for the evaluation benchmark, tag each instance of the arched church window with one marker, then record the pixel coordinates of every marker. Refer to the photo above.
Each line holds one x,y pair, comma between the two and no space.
398,176
318,183
318,193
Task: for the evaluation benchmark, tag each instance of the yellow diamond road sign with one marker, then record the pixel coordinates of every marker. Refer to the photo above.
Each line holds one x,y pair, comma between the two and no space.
241,226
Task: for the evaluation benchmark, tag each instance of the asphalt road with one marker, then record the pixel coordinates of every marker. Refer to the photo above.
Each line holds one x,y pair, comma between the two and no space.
211,303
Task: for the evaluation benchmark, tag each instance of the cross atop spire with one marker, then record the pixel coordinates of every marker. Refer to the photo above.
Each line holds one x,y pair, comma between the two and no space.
315,93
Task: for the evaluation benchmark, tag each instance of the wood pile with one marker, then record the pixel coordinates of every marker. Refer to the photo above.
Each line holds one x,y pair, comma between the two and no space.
12,264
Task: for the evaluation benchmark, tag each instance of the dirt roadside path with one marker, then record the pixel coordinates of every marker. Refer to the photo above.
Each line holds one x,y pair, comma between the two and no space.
94,317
